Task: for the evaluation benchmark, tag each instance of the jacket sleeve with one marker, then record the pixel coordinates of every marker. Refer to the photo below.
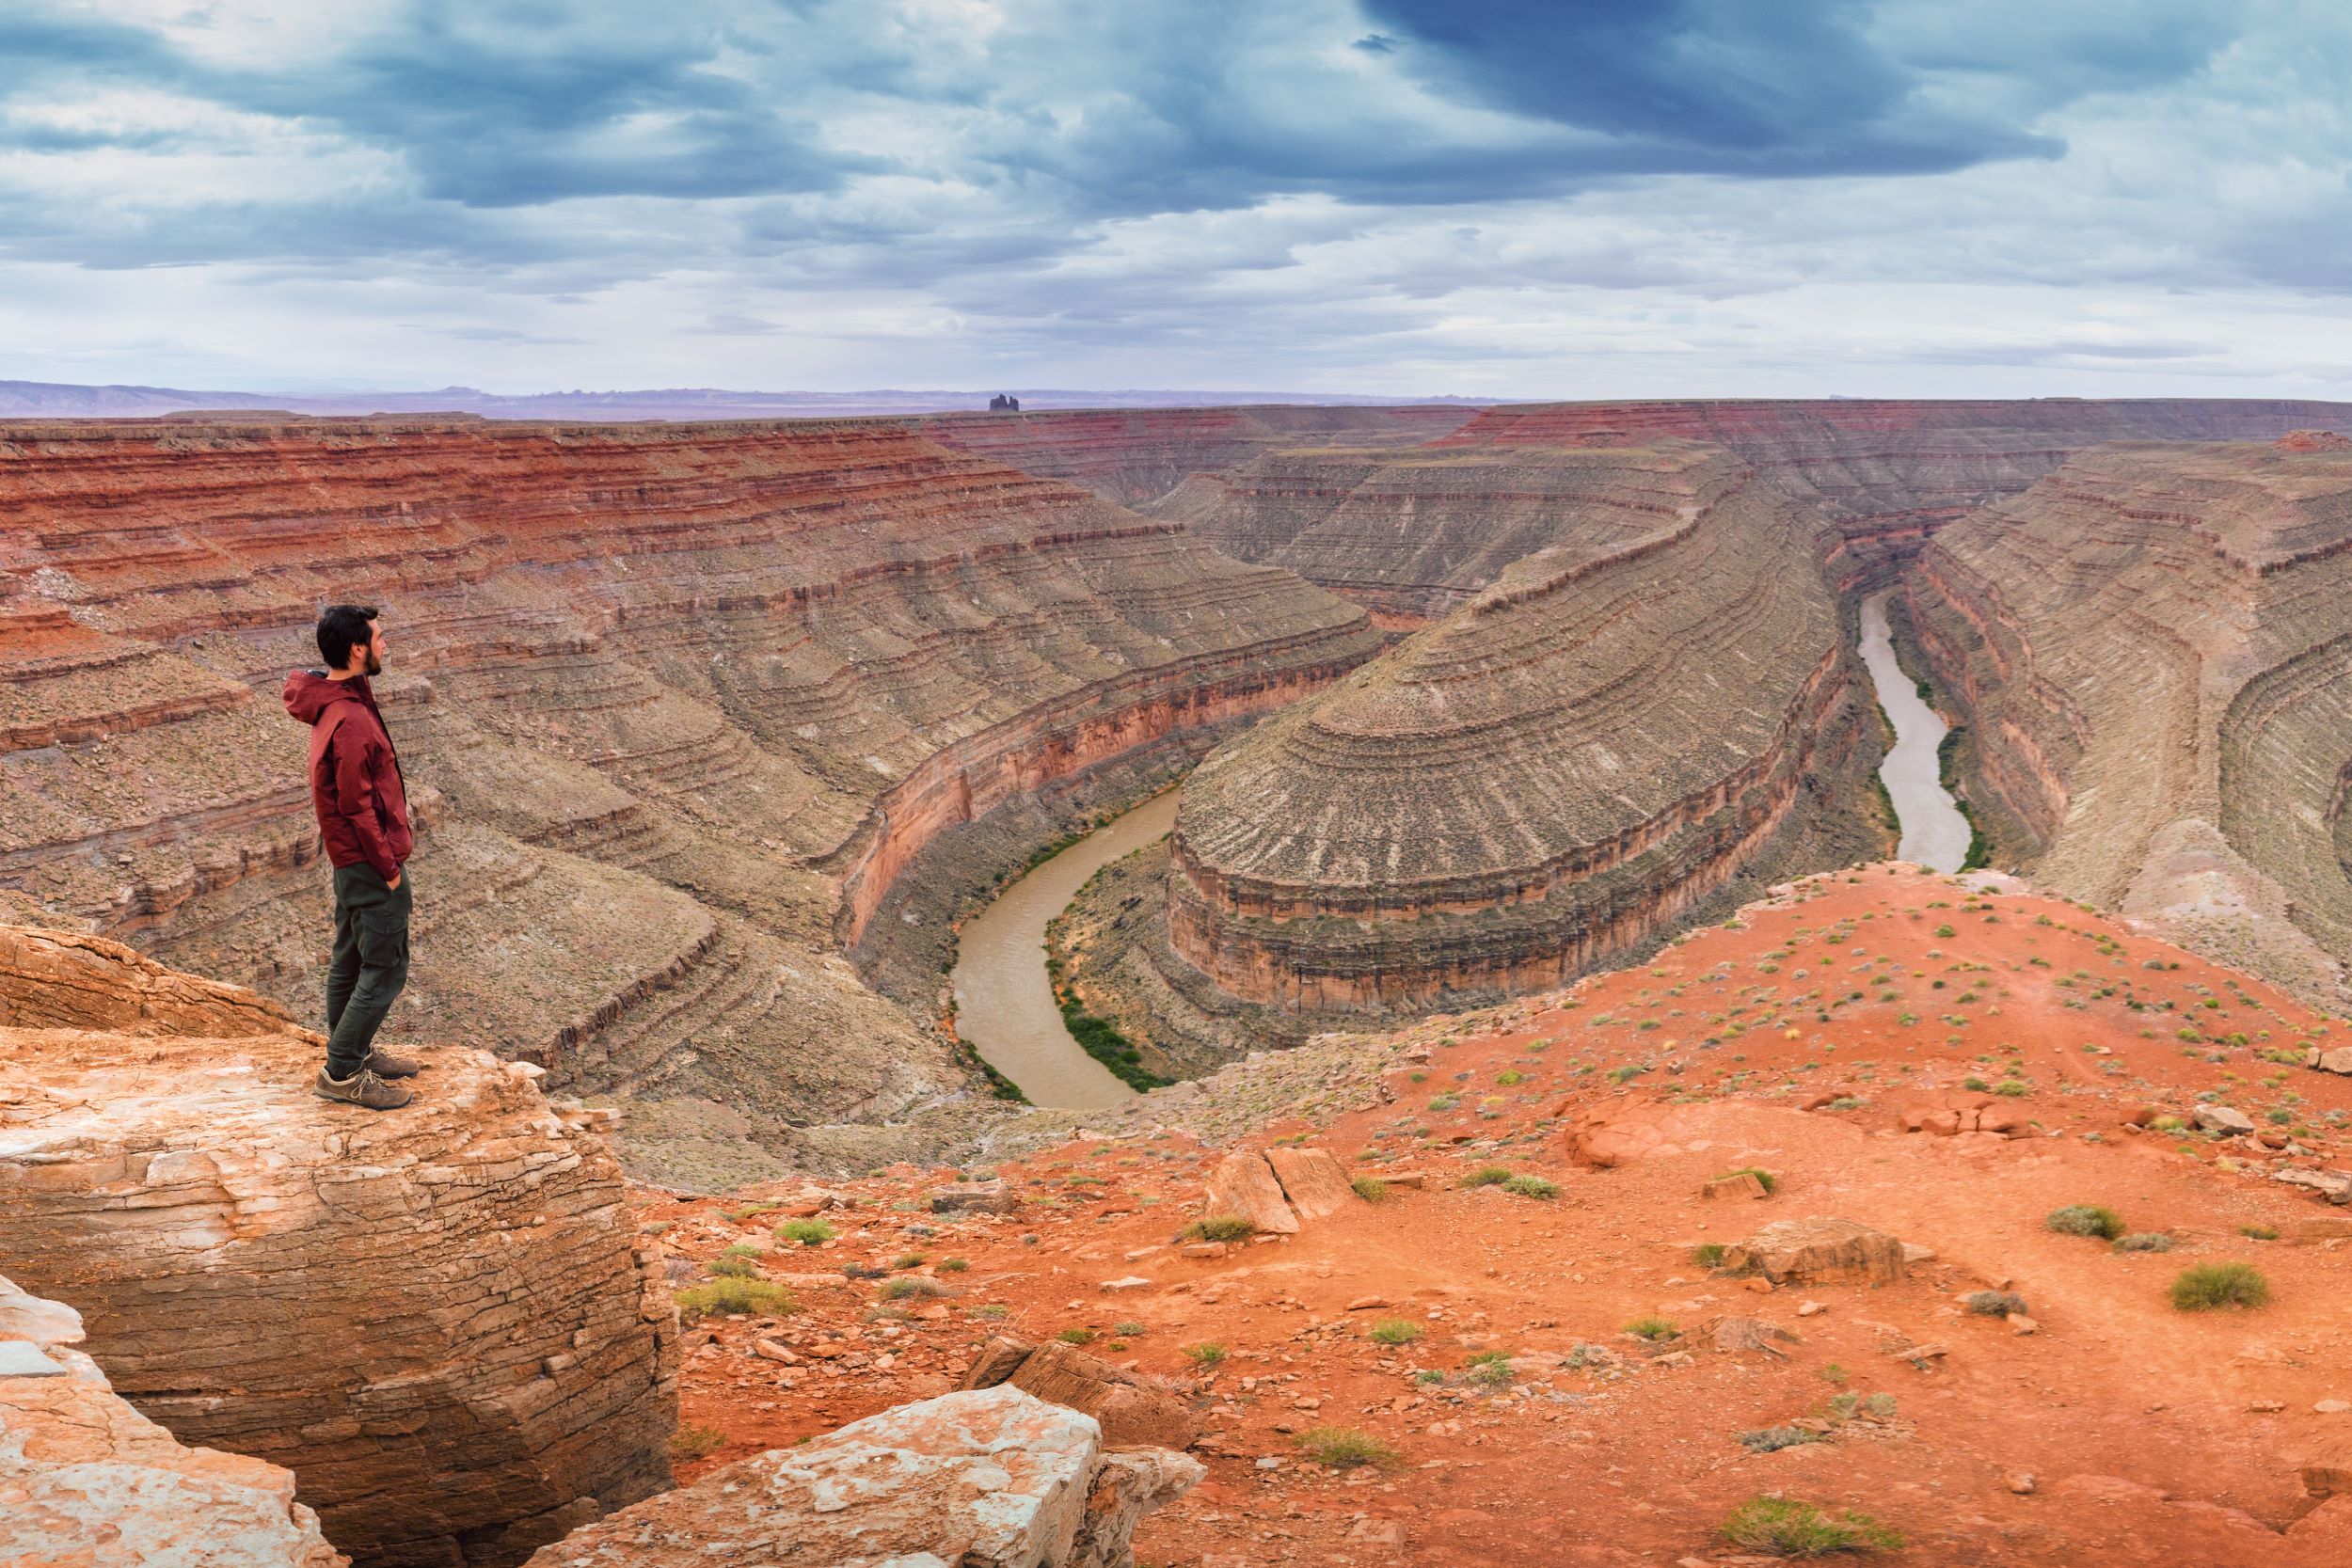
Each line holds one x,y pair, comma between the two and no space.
355,796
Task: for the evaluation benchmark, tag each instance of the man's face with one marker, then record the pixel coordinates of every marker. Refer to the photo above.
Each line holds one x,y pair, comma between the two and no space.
375,648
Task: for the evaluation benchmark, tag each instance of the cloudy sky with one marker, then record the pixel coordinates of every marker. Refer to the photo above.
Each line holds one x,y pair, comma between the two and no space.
1513,198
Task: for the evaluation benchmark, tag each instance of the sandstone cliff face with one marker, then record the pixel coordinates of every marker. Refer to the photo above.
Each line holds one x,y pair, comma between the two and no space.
86,1480
438,1319
1547,777
678,706
1133,455
2152,650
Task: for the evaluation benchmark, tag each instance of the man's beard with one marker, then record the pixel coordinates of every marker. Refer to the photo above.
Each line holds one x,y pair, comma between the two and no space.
376,665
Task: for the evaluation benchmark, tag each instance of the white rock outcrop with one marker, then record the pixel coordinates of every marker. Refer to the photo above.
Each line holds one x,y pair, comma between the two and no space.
989,1477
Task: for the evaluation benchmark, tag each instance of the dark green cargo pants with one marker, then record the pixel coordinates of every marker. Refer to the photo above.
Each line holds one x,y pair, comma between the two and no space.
371,963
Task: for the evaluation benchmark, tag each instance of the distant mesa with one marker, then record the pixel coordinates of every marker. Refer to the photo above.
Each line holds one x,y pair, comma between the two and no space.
2315,440
1004,404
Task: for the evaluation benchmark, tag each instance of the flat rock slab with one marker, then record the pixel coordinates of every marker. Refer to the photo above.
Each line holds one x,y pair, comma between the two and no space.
1131,1409
1244,1185
987,1478
1820,1251
1313,1180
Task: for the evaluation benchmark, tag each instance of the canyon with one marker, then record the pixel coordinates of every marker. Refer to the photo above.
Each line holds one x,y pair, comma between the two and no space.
1520,769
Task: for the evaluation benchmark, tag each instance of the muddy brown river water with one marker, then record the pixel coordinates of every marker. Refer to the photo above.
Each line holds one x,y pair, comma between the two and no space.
1005,1003
1934,834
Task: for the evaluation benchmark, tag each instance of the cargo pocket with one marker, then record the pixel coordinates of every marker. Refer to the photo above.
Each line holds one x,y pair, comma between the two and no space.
384,935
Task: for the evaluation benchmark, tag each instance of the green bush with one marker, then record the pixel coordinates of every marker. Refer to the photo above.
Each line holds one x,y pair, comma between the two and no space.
1486,1176
1370,1188
1531,1186
910,1285
732,1264
1222,1228
1490,1368
1344,1448
1395,1331
692,1442
2086,1219
1774,1439
2211,1286
1781,1527
804,1232
1076,1336
732,1294
2144,1240
1993,1304
1654,1328
954,1265
1708,1255
1207,1353
2259,1233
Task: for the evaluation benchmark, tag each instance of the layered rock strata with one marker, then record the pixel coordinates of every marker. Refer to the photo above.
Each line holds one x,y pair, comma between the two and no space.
1599,743
86,1480
2153,651
1133,455
438,1320
678,706
992,1477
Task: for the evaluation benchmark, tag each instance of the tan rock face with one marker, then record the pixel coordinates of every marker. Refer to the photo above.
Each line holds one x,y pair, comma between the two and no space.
1130,1409
982,1478
436,1318
1313,1180
1242,1183
1820,1251
86,1480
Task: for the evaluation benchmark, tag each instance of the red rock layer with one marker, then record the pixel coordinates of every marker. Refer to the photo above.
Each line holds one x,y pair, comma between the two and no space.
677,701
1132,455
2152,648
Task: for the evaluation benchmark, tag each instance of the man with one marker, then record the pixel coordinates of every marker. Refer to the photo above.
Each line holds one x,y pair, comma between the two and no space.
362,809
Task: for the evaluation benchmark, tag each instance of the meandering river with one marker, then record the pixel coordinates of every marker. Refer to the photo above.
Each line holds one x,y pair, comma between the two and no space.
1004,1001
1934,834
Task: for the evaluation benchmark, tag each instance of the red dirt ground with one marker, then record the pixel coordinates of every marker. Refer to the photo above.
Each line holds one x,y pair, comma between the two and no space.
2151,1435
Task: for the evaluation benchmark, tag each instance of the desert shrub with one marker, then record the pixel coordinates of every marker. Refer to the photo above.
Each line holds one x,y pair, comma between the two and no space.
1207,1353
804,1232
2144,1240
1486,1176
1993,1304
1880,1404
1490,1368
2210,1285
1531,1186
1076,1336
692,1442
992,1310
1782,1526
1708,1255
1653,1328
1344,1448
1370,1188
1395,1331
954,1265
1222,1228
2259,1233
1127,1331
732,1294
907,1260
910,1285
736,1263
2015,1088
1764,1178
2086,1219
1774,1439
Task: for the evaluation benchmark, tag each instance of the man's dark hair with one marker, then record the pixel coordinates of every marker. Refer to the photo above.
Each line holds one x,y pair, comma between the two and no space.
341,628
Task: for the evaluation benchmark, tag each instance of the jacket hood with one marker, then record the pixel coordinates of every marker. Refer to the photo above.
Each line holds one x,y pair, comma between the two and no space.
309,693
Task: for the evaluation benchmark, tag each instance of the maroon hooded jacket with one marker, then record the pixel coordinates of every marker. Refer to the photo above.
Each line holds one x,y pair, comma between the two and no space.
356,784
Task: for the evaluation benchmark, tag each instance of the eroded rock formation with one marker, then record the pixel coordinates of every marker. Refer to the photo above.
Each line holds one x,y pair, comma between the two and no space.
86,1480
1600,741
437,1319
678,706
2152,651
993,1478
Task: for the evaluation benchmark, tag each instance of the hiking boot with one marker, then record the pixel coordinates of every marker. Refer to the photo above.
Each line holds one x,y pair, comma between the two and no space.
384,1064
361,1088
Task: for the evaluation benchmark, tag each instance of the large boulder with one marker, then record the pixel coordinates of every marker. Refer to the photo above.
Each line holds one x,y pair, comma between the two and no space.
436,1318
1131,1409
986,1478
1818,1251
1313,1180
86,1480
1244,1185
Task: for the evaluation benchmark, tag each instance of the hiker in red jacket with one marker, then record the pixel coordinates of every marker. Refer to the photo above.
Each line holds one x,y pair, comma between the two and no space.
363,817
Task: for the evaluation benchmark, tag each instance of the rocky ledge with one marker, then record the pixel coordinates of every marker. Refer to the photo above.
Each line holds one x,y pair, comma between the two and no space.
438,1319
